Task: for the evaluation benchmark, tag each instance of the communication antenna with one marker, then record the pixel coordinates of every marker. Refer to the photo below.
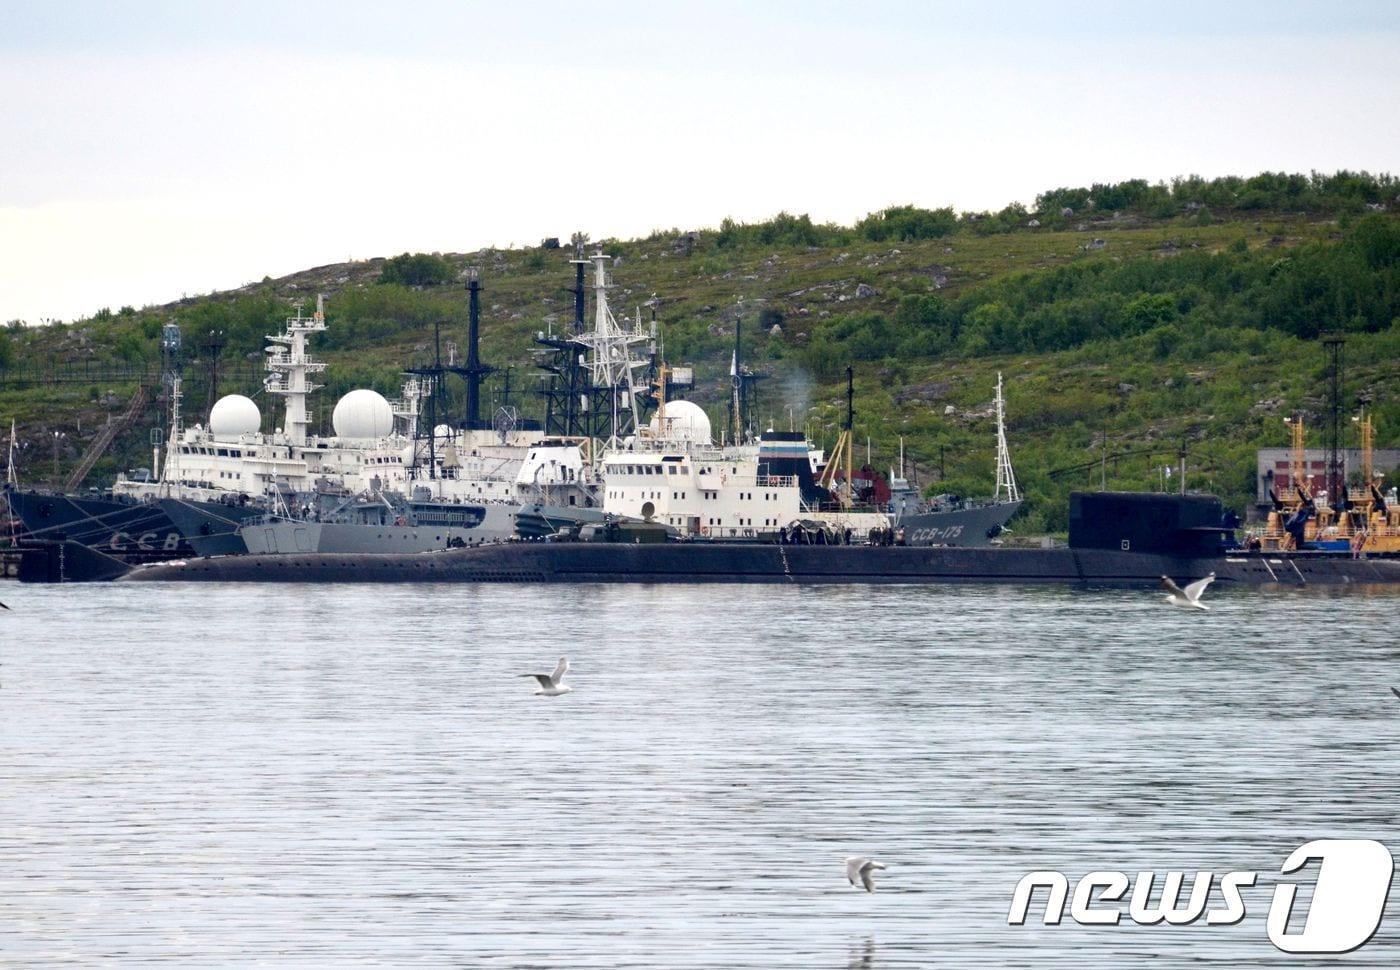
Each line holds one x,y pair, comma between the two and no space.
1006,476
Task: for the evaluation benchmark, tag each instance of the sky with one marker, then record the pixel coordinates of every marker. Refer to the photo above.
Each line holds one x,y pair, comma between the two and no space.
150,150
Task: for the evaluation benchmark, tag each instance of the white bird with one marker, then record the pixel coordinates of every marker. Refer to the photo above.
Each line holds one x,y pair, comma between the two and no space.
1191,595
859,867
551,685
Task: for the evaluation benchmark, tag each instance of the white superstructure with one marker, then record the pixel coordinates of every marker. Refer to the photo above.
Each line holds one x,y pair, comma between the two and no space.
377,446
677,476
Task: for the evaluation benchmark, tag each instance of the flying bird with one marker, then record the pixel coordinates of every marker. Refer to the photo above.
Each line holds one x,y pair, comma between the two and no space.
551,685
859,867
1191,595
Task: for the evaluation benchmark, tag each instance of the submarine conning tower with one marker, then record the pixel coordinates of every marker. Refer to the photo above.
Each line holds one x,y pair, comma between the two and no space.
1174,525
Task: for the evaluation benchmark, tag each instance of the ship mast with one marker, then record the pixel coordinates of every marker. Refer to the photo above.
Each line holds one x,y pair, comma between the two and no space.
288,365
10,478
170,356
610,360
1006,476
1368,449
736,380
1297,464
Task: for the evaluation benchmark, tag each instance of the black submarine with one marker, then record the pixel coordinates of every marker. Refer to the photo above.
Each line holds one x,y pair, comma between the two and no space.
1116,538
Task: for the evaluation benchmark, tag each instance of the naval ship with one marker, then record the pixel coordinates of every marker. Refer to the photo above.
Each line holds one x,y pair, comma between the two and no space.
218,480
951,520
1116,538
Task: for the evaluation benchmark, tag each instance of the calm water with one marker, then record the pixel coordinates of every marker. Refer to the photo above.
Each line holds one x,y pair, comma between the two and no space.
321,776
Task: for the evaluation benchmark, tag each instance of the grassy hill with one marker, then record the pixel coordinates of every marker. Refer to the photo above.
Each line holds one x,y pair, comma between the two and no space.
1127,319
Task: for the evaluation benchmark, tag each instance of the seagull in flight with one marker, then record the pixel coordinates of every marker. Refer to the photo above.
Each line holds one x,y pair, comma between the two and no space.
551,685
1191,595
859,867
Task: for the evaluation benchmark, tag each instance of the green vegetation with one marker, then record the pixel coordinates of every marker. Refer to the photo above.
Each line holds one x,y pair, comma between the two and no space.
1152,316
417,269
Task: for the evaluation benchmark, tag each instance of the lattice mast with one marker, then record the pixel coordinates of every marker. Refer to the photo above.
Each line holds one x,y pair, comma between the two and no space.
610,360
1006,475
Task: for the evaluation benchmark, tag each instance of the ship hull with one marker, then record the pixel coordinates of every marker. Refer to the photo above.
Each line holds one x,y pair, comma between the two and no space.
210,530
720,562
132,531
965,527
291,537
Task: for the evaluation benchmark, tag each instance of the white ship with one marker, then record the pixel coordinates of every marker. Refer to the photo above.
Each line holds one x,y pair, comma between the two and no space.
670,471
443,486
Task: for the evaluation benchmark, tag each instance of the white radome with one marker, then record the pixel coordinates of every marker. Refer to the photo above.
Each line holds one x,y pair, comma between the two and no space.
363,415
233,415
686,421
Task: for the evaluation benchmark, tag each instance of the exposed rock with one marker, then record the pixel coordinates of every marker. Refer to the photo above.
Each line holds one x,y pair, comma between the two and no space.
927,391
1033,224
1126,388
864,291
1067,212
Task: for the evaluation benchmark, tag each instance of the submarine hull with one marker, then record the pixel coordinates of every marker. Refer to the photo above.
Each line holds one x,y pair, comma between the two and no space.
718,562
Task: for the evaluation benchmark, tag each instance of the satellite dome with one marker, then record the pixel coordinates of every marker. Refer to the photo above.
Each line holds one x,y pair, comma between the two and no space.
362,414
443,431
233,415
685,421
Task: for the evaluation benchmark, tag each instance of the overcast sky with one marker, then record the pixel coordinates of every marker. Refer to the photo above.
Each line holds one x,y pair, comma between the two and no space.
149,150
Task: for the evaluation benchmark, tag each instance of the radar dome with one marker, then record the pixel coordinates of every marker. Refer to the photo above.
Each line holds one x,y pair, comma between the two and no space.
233,415
685,421
362,414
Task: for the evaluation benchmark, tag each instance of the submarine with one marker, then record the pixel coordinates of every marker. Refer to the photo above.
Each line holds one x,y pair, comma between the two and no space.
1115,538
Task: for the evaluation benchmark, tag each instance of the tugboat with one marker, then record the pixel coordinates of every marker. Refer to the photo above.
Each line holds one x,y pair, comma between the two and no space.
1361,520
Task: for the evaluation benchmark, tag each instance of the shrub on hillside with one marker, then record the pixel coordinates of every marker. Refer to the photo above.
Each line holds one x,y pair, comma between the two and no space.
907,223
417,269
784,229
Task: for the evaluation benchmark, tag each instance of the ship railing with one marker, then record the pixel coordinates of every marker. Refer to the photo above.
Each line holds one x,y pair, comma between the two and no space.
777,481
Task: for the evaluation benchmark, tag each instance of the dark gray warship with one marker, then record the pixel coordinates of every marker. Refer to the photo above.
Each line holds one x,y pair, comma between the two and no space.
1116,538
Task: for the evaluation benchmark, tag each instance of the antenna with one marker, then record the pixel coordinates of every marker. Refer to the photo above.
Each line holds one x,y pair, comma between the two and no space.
1336,472
1006,476
213,347
475,370
850,424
